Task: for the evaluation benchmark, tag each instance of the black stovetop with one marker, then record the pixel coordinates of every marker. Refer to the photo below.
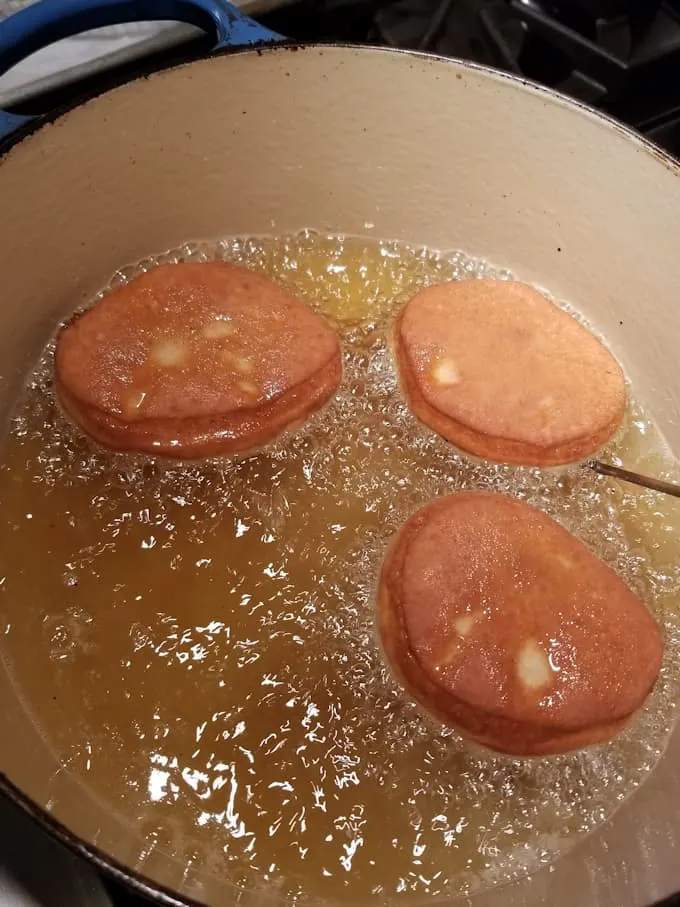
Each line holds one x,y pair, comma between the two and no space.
622,56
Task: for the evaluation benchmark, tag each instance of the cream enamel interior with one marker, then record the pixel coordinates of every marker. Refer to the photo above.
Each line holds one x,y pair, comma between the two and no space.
358,141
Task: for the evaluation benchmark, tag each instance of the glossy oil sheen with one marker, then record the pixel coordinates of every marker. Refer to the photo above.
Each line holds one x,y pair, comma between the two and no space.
197,642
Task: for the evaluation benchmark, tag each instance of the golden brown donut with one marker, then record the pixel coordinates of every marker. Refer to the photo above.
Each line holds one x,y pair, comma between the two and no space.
195,360
502,373
504,626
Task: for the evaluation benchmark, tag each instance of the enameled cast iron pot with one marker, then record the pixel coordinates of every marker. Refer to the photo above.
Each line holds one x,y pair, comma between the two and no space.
270,139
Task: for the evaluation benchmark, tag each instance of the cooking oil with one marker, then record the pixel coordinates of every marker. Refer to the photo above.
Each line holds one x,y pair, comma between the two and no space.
197,641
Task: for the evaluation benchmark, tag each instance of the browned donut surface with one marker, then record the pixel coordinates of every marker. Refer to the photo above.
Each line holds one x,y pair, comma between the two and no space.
194,360
503,625
497,369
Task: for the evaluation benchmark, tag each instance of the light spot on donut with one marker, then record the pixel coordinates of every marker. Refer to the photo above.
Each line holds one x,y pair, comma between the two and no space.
168,353
133,400
464,624
218,329
533,667
243,365
248,388
238,364
445,373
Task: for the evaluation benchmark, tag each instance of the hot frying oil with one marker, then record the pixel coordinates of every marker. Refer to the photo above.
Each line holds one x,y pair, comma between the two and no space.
197,641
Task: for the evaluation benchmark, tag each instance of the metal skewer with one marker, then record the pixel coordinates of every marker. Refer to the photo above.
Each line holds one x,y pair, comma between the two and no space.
606,469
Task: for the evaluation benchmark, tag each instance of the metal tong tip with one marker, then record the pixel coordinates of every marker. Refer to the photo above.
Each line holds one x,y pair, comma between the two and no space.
634,478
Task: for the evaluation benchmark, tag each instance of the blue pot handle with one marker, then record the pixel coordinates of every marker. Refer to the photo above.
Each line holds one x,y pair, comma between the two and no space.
51,20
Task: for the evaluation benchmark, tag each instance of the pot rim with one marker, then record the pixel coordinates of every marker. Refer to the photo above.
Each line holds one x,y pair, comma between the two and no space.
146,71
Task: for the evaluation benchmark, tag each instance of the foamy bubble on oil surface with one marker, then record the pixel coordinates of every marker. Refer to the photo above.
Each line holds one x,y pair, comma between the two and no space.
237,699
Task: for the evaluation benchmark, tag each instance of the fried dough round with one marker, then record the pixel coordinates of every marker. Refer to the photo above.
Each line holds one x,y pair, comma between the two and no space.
195,360
504,626
504,374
